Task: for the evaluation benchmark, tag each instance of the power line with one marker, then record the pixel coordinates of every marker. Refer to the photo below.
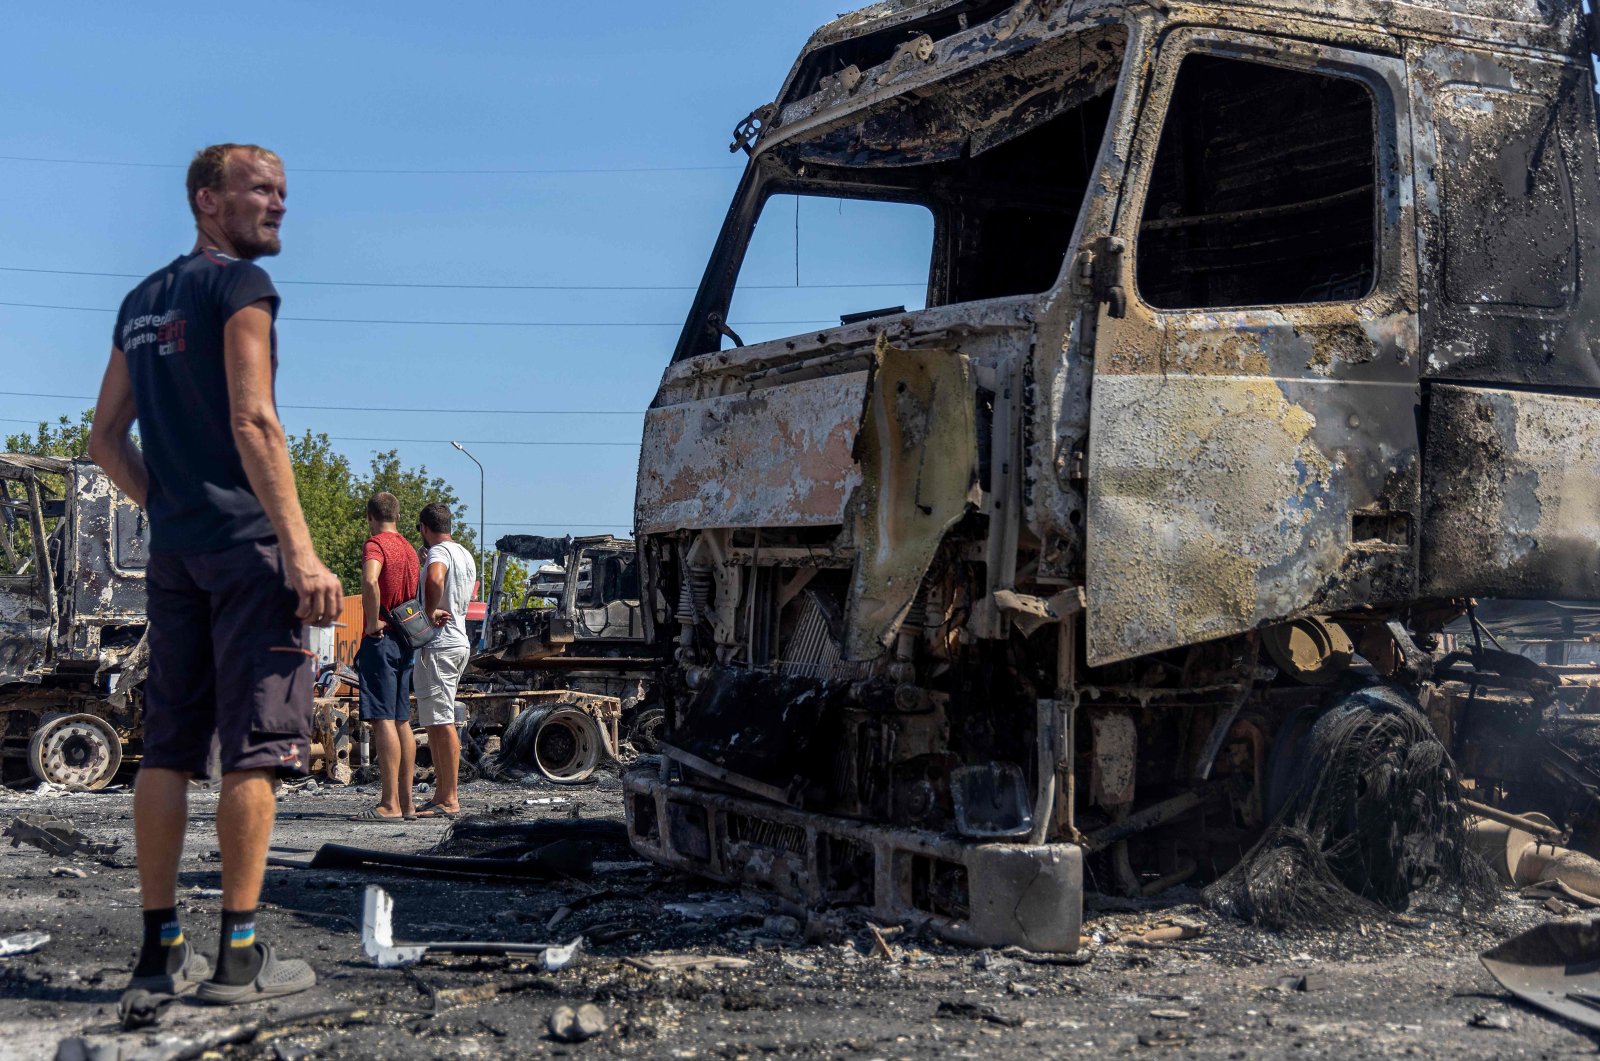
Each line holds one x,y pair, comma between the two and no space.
488,287
612,523
440,441
481,324
381,408
480,441
397,171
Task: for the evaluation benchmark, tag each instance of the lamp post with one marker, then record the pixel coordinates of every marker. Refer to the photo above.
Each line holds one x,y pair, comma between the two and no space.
483,574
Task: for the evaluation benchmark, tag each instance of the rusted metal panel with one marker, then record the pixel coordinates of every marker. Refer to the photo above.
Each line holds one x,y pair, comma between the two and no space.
1227,504
767,458
107,557
1505,176
917,447
1511,494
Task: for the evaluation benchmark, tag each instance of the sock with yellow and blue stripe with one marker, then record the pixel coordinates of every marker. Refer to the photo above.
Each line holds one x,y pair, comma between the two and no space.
238,957
162,952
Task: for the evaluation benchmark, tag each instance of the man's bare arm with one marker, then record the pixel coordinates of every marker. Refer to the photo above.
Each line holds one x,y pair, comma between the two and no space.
371,601
434,595
264,452
110,444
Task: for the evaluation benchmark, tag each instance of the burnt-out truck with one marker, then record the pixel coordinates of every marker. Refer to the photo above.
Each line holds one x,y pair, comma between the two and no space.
72,618
73,652
566,674
1258,338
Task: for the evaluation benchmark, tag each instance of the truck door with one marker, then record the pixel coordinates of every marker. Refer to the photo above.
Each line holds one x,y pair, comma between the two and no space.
1253,436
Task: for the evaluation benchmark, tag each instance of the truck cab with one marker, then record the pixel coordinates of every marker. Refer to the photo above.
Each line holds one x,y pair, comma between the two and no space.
1254,340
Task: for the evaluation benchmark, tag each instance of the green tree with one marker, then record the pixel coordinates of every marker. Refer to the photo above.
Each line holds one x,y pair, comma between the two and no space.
61,439
334,504
413,488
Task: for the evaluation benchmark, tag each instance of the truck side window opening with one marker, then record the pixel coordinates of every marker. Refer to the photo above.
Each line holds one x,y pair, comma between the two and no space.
1507,197
1263,191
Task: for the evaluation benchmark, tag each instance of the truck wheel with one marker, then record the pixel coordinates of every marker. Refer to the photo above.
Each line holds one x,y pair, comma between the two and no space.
567,747
81,750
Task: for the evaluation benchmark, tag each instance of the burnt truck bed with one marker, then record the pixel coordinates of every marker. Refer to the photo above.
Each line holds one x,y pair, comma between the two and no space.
1257,341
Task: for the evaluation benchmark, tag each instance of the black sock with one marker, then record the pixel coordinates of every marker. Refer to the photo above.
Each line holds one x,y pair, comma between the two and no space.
162,952
238,957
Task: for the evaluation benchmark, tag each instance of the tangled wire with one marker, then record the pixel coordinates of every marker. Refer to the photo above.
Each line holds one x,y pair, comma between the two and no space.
1371,813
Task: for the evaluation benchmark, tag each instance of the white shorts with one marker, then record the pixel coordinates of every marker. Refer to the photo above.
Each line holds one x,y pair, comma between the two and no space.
434,679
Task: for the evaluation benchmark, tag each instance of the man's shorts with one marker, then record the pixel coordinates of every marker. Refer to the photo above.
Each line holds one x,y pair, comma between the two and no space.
383,665
437,678
227,655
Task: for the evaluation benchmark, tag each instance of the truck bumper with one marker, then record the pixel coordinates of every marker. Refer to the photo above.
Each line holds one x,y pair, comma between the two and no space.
978,894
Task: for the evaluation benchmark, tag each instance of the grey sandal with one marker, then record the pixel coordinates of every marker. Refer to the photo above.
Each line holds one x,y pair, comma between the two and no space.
278,977
194,970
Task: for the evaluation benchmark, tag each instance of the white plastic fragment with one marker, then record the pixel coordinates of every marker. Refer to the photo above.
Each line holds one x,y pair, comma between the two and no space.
555,959
377,931
22,943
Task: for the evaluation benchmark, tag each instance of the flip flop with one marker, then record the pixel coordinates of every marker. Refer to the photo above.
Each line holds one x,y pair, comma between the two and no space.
371,815
433,810
278,977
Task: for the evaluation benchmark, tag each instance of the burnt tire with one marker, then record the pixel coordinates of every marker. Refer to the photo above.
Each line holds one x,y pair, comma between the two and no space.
568,746
81,751
645,733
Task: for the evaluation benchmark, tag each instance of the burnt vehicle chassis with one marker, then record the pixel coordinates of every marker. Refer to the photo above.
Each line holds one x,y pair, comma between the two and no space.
579,660
1240,394
73,655
72,619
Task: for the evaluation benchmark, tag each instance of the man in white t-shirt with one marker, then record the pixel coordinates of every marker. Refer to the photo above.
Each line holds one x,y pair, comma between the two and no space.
448,575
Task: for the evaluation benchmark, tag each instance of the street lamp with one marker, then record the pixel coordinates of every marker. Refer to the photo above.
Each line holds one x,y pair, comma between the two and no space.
483,575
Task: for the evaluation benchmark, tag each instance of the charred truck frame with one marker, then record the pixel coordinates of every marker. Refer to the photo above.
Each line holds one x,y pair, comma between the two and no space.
566,682
72,618
1259,337
73,655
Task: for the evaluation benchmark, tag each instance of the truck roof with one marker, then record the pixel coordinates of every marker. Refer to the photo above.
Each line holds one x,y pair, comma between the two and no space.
14,465
873,35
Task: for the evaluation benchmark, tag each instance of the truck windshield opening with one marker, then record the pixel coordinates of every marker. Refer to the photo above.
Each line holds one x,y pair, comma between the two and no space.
967,193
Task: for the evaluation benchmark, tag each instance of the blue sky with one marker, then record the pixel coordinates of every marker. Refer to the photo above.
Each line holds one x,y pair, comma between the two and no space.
414,86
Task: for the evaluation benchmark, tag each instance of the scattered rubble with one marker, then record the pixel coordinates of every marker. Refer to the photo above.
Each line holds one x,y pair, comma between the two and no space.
56,837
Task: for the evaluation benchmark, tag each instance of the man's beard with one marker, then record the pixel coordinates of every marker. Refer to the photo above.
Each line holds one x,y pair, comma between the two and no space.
244,238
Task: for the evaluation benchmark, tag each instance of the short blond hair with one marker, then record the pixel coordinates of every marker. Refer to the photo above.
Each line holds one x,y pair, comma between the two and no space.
210,168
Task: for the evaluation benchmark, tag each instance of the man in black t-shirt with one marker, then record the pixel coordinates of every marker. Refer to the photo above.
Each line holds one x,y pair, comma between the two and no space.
232,577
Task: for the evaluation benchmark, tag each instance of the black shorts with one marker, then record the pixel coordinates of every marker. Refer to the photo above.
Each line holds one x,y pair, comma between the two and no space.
219,623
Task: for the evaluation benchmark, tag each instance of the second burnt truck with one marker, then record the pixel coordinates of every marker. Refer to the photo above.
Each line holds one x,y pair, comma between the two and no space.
1257,338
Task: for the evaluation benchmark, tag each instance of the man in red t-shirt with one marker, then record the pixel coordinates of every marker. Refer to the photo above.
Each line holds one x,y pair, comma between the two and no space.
388,576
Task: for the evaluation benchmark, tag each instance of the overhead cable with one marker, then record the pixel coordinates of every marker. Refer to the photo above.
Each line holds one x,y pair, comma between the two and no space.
381,408
439,441
395,171
487,287
481,324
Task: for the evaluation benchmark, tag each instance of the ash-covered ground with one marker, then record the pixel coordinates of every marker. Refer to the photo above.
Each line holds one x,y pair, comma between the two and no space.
813,986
